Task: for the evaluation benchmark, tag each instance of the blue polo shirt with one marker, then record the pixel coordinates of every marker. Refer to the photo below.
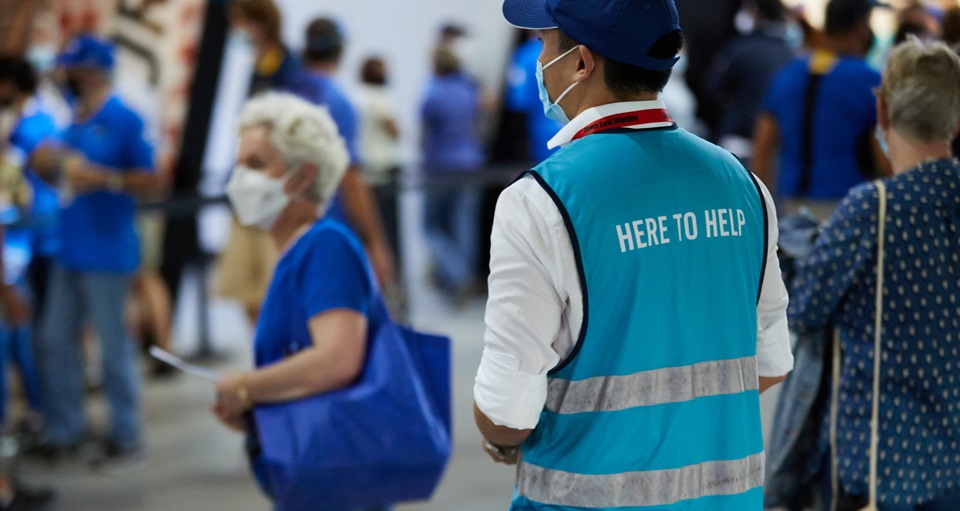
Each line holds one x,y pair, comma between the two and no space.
845,117
97,228
450,113
34,127
324,91
523,95
326,269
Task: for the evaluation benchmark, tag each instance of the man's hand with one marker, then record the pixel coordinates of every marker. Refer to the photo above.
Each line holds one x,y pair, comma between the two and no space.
81,177
15,306
505,455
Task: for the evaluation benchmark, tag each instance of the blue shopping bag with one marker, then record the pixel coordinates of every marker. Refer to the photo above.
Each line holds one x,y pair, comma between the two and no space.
383,440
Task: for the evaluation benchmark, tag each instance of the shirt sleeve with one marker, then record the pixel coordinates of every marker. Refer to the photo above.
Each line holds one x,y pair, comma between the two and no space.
333,276
139,151
771,98
525,311
774,357
842,254
346,118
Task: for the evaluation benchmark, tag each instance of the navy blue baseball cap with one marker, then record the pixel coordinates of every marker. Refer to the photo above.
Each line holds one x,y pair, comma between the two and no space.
621,30
88,51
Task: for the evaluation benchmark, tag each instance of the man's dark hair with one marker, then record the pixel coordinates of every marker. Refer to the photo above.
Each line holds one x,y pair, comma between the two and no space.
845,15
627,81
18,72
324,42
771,10
374,71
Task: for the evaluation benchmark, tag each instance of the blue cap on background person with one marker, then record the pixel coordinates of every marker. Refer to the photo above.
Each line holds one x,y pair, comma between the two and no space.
88,51
621,30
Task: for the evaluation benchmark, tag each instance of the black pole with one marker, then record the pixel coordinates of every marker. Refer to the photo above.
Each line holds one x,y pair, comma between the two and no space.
181,244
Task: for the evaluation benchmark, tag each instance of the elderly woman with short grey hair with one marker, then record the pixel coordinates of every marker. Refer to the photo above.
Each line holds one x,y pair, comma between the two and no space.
908,399
311,336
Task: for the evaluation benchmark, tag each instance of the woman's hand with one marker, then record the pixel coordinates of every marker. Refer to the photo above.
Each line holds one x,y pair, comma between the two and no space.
230,404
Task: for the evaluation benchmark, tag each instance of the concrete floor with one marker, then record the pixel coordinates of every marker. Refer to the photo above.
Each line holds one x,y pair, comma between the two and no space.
195,464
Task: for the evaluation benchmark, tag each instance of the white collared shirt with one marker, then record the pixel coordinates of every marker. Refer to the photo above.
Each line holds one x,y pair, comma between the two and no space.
535,308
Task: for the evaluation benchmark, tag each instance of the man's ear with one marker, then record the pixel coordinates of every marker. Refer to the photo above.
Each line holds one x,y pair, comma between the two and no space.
587,63
301,180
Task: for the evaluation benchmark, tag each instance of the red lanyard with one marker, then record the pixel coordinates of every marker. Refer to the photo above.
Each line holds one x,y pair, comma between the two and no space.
638,120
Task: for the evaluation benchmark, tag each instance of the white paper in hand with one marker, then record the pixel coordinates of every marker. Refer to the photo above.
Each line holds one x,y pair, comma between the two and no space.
193,370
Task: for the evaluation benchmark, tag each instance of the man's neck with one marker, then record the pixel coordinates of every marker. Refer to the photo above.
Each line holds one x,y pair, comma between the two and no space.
844,45
602,97
907,154
92,102
328,69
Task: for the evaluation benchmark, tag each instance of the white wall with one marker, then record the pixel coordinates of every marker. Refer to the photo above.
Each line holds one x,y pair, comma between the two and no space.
404,32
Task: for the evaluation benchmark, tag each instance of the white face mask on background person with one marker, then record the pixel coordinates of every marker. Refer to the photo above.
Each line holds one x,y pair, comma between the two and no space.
257,198
552,109
43,57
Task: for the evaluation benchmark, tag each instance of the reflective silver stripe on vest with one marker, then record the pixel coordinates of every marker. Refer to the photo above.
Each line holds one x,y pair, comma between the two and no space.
650,488
670,385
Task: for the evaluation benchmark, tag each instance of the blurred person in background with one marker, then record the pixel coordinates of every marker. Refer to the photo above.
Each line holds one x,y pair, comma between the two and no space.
101,162
450,114
950,27
354,204
378,144
523,96
289,165
258,24
708,27
247,261
31,218
916,19
22,126
743,70
919,395
814,139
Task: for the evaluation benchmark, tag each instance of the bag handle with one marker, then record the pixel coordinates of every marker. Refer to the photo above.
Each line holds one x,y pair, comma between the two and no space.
877,337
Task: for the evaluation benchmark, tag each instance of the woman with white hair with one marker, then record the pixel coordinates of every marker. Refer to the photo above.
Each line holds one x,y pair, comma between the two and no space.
312,332
888,263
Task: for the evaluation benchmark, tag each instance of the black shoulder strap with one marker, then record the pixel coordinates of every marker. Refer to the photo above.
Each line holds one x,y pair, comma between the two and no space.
766,233
766,226
807,135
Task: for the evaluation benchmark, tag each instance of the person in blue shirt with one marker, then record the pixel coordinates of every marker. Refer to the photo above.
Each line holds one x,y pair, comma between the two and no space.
30,239
311,336
814,138
451,144
354,204
743,69
23,205
523,96
100,162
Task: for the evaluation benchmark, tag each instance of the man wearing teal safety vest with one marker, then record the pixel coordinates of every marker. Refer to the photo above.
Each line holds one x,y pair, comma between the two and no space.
636,309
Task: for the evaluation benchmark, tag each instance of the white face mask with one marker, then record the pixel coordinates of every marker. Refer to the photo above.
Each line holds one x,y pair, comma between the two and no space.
257,198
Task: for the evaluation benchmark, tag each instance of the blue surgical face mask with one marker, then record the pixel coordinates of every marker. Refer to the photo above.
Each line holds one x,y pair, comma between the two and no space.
552,109
882,140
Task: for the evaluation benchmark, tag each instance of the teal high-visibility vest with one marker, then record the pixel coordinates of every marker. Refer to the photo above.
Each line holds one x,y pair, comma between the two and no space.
657,408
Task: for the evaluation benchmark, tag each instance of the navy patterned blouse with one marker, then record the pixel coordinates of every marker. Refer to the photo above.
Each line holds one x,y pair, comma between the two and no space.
920,377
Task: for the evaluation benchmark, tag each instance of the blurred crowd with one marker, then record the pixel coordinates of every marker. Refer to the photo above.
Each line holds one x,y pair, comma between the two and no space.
807,110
